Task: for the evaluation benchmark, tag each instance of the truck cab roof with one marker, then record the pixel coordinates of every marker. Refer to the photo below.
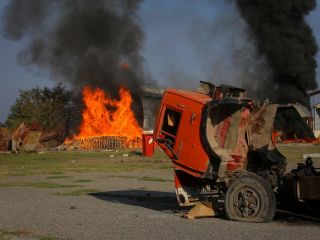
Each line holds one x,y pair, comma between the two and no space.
192,95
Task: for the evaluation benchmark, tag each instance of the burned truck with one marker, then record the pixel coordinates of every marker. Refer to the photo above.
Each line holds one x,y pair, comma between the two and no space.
223,150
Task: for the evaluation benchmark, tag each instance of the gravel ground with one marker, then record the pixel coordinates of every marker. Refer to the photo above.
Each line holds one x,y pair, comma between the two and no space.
124,207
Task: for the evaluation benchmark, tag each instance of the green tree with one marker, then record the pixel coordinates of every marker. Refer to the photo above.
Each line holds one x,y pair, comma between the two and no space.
43,106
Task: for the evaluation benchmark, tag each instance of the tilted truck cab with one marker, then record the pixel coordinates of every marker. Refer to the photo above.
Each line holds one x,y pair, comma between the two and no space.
180,121
223,151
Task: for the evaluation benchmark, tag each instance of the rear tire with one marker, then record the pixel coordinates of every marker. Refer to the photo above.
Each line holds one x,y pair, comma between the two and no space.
250,199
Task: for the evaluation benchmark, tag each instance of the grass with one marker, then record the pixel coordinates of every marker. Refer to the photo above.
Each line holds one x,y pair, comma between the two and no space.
78,192
48,238
37,185
59,177
5,235
295,152
83,181
60,163
154,179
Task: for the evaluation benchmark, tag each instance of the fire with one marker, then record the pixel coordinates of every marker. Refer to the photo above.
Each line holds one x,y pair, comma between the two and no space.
104,116
278,137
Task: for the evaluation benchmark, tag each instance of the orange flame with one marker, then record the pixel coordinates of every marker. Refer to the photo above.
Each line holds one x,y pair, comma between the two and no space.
104,116
277,138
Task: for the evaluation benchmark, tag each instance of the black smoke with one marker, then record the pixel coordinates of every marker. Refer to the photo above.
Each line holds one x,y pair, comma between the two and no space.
288,44
83,42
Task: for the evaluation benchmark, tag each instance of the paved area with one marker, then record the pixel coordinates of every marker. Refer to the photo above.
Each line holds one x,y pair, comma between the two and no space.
134,205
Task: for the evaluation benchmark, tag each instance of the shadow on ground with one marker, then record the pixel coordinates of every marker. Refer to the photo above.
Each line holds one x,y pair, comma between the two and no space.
167,202
155,200
299,213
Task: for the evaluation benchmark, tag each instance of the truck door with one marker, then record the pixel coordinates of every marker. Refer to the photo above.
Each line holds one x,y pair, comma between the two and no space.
188,144
179,136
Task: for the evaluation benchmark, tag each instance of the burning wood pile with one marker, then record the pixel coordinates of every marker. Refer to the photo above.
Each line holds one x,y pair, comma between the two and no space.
106,123
103,142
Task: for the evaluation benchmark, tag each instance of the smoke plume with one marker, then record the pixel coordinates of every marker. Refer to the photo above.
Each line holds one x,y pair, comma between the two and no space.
288,44
94,43
228,54
206,41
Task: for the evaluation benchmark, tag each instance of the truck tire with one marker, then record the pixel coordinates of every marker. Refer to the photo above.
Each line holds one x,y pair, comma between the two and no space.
250,199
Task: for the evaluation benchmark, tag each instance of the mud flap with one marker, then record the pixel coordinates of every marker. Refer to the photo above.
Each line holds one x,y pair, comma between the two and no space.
201,209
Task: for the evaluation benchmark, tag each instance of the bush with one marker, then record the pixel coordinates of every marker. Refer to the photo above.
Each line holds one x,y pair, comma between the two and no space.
45,107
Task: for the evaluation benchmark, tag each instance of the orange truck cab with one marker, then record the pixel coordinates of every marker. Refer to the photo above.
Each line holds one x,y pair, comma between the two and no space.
179,133
222,148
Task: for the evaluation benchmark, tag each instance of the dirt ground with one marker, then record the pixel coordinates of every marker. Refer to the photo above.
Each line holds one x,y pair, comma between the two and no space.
119,204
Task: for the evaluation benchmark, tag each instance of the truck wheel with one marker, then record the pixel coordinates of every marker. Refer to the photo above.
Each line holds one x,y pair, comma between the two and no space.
250,199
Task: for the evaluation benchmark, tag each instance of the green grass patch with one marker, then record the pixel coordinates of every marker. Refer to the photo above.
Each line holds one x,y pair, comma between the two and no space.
60,163
37,185
83,181
59,177
154,179
78,192
56,172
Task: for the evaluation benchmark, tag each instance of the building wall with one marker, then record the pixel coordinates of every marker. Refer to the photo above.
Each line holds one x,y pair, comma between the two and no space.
315,104
150,111
316,121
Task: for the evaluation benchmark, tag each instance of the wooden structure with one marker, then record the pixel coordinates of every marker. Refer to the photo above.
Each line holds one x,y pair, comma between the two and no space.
5,139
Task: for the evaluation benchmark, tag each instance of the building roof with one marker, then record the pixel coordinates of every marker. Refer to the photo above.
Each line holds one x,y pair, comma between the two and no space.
317,105
152,92
313,93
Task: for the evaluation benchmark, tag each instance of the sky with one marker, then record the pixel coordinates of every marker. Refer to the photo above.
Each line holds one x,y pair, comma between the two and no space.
171,28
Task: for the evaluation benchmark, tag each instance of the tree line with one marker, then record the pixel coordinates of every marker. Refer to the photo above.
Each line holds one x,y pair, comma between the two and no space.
45,107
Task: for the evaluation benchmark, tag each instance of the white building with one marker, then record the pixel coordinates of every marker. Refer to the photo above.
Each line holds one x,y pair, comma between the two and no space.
315,104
